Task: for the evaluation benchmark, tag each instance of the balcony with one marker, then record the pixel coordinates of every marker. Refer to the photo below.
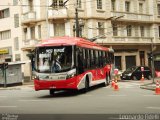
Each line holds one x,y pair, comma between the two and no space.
57,14
125,40
30,43
134,40
135,17
28,17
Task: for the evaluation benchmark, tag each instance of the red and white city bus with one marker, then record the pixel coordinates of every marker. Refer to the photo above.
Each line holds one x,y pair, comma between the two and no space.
71,63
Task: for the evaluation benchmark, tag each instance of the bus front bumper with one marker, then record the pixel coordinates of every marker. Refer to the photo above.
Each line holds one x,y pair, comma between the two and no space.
59,84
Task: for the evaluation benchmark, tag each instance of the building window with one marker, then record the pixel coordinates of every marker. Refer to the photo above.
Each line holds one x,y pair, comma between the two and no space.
158,9
16,20
101,28
140,7
129,30
4,13
142,58
32,32
15,2
99,4
31,5
127,6
60,3
25,33
16,44
39,31
130,61
118,62
5,34
115,29
59,29
57,4
142,31
159,31
17,57
113,5
79,4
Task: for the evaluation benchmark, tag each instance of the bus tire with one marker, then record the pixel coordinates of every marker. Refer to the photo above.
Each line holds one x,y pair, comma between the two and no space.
86,85
51,91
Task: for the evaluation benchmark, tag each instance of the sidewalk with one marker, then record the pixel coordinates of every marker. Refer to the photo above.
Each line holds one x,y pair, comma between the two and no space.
18,87
150,85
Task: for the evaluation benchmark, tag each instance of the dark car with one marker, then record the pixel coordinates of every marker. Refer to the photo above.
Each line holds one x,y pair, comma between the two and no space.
135,73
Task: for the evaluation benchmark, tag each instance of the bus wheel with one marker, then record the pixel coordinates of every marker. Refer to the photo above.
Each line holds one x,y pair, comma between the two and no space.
51,91
86,88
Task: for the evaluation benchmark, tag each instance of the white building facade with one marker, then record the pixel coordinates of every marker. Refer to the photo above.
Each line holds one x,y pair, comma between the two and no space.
10,31
130,27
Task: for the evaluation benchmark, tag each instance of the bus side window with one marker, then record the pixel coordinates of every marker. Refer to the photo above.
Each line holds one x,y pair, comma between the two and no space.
92,59
84,58
102,57
107,58
80,61
86,55
99,58
89,58
96,58
104,60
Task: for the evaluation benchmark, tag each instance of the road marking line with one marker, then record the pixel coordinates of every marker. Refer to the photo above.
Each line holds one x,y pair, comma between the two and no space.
8,106
153,108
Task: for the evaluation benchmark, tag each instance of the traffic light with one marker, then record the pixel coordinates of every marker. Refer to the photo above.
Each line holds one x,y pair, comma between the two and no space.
150,56
5,65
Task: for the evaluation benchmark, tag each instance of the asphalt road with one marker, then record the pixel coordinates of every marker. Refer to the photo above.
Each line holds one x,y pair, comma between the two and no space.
99,100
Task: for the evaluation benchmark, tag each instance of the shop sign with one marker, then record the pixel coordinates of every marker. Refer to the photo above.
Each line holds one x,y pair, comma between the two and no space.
4,51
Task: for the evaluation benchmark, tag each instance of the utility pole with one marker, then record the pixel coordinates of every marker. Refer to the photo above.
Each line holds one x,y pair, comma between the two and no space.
152,61
76,19
47,22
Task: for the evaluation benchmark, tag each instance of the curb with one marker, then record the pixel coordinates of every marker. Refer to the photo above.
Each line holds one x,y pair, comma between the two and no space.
16,87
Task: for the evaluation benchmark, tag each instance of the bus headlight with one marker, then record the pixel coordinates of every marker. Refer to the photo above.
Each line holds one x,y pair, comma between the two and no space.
35,77
70,75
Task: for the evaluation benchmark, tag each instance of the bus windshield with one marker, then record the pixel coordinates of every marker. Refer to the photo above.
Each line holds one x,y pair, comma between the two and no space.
53,59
